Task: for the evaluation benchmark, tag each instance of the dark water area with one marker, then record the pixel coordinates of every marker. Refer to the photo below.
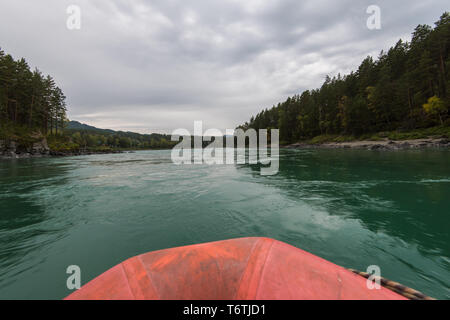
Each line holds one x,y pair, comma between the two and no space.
355,208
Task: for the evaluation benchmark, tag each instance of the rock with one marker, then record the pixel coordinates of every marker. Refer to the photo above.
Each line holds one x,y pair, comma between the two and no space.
57,154
14,150
12,154
405,145
24,155
376,147
387,145
40,147
12,147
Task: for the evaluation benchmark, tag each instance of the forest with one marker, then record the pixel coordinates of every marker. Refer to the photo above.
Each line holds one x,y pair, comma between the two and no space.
29,98
32,106
87,136
404,89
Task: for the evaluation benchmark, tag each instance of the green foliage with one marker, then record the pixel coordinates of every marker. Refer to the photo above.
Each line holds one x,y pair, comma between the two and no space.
31,103
433,132
89,138
332,138
28,98
437,131
21,135
392,94
436,106
60,143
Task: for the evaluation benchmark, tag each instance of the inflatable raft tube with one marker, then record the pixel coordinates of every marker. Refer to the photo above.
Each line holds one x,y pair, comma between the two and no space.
241,269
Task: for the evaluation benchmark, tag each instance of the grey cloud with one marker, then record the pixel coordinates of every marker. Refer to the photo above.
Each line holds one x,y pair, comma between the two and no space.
159,65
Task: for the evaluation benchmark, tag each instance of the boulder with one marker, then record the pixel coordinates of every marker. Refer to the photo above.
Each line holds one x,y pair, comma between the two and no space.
12,147
376,147
40,147
405,145
24,155
11,154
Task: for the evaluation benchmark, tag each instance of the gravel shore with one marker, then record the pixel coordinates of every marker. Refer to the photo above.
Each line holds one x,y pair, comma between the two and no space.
376,145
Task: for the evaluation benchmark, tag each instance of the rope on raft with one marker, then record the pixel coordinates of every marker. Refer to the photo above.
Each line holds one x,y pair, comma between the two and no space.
395,286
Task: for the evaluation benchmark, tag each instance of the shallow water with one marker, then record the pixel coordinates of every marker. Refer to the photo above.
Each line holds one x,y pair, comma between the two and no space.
353,207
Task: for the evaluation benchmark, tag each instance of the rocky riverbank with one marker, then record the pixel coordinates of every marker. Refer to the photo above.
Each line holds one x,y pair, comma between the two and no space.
377,145
13,150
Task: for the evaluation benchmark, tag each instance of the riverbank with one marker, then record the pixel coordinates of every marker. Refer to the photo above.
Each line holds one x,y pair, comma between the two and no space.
386,144
49,153
433,137
38,147
35,145
74,139
41,150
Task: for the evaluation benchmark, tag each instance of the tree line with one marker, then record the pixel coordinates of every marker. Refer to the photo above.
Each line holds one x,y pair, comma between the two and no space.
99,138
406,88
29,98
31,103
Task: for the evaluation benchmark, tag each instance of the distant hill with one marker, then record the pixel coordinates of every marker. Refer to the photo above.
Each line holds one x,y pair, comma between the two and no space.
85,135
75,125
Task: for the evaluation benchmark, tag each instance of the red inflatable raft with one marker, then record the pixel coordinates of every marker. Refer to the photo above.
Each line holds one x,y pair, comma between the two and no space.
243,269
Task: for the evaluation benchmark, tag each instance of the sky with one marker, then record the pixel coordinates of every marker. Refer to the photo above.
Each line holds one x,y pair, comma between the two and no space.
157,65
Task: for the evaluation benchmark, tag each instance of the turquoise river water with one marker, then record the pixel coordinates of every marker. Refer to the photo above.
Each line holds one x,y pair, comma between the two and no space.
353,207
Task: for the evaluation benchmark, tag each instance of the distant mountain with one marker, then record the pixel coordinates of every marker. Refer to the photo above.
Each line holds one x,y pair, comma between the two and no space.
89,136
75,125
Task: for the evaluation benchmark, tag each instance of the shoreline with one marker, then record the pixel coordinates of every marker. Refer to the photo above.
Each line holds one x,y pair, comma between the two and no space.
383,145
56,154
376,145
52,154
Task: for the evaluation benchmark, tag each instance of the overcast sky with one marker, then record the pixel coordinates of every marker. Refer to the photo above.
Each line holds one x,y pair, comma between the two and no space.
156,65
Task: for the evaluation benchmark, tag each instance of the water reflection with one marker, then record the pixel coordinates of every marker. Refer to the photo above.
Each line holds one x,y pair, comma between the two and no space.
352,208
400,200
404,194
24,218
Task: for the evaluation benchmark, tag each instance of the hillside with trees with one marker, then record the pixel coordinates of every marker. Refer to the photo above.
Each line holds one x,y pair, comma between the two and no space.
29,98
86,137
33,118
405,89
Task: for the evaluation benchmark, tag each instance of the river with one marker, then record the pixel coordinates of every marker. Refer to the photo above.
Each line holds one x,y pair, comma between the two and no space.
355,208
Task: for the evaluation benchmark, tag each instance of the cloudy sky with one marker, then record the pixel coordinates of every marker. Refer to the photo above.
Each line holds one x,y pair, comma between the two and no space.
157,65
